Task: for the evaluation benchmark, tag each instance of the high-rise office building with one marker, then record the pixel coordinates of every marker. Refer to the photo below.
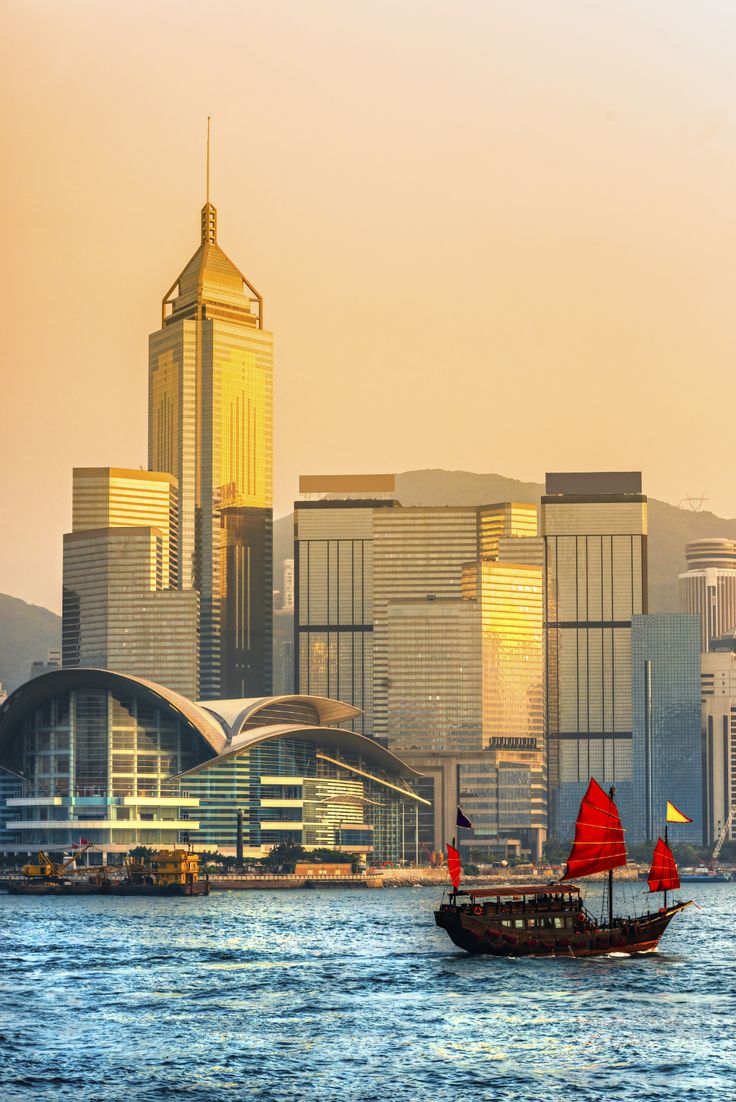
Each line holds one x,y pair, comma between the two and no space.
595,531
288,593
708,587
333,592
434,698
117,497
120,610
667,744
210,425
386,601
718,689
418,554
512,632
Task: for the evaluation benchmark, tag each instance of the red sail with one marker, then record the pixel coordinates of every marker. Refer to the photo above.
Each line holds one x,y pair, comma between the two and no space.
663,875
599,836
453,866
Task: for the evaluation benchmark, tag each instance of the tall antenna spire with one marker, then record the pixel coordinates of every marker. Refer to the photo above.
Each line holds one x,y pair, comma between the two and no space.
209,120
209,214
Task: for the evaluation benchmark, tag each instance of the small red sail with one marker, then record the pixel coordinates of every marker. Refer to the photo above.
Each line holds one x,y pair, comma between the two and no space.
663,875
453,866
599,837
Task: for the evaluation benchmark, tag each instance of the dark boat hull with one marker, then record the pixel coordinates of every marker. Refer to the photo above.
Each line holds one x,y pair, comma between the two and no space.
86,888
480,934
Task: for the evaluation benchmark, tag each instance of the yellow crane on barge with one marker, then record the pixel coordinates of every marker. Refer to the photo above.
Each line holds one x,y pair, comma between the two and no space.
164,872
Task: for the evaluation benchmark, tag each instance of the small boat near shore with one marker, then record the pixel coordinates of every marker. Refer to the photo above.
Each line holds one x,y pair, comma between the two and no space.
551,919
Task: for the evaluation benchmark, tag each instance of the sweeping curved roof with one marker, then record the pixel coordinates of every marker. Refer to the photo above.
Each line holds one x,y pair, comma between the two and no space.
233,715
225,726
335,738
32,694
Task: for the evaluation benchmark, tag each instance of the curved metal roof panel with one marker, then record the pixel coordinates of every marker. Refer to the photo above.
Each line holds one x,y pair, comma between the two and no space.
327,737
233,714
33,693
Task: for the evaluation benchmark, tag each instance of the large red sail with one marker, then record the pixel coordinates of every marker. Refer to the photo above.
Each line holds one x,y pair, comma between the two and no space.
663,875
599,836
453,866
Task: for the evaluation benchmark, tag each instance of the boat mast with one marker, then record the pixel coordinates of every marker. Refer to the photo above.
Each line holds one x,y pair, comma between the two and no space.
667,844
611,793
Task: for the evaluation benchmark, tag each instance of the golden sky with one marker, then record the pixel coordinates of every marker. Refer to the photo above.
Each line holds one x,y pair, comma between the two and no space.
490,236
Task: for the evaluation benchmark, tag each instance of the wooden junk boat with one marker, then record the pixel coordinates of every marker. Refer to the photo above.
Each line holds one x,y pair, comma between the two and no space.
551,919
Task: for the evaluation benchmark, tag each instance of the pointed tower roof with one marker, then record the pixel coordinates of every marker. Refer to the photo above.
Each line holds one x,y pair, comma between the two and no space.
211,286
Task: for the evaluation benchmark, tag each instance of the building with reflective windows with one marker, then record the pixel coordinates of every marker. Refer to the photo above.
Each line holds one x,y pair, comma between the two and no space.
708,587
122,762
434,658
595,531
210,426
121,608
333,598
667,744
502,792
718,703
419,553
511,599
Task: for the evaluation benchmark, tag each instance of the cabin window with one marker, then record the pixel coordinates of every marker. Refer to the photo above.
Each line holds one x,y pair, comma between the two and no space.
559,923
519,923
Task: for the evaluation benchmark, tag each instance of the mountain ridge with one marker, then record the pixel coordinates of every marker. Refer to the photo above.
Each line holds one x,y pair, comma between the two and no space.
669,526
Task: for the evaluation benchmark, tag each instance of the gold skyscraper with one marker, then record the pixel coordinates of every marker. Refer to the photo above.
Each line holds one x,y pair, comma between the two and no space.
210,425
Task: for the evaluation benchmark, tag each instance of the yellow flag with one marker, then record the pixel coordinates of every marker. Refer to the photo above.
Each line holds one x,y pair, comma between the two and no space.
675,816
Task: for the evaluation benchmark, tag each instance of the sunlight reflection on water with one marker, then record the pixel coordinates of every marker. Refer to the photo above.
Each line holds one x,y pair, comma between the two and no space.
335,994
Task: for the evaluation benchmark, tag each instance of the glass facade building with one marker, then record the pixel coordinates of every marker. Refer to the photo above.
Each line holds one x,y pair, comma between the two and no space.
595,531
93,754
121,608
210,425
503,793
333,588
418,553
123,762
667,744
512,633
434,659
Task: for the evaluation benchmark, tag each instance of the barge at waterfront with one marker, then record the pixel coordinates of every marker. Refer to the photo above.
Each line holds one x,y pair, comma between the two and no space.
166,872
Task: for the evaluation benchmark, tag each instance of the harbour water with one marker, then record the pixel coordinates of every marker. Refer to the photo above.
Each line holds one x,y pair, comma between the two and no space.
349,995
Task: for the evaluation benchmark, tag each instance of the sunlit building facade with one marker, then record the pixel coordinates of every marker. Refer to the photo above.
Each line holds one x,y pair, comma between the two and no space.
667,745
121,608
210,425
595,531
511,597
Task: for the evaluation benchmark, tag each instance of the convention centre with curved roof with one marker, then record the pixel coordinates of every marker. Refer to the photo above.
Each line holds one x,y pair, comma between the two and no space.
122,761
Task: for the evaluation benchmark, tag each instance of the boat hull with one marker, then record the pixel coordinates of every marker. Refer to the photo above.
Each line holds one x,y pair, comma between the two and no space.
479,934
83,888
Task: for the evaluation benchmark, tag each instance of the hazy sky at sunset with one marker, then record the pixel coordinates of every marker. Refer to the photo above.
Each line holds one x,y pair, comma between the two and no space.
490,236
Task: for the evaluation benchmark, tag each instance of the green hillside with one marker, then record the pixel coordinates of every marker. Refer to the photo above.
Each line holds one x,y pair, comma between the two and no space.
27,632
670,528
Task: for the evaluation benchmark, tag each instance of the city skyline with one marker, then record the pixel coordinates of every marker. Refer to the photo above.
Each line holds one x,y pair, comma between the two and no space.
374,184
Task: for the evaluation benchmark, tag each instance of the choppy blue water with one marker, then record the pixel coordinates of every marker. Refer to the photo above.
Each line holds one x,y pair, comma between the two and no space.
349,995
